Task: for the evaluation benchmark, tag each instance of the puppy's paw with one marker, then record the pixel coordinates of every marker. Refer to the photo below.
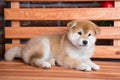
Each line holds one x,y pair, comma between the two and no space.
84,67
95,66
46,65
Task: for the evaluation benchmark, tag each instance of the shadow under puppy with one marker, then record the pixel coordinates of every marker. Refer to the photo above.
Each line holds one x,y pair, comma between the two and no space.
71,50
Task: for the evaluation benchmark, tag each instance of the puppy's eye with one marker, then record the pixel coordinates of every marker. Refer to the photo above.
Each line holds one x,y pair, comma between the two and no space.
89,34
79,33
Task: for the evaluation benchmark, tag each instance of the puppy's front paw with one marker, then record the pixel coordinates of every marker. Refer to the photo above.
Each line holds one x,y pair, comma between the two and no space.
46,65
95,66
84,67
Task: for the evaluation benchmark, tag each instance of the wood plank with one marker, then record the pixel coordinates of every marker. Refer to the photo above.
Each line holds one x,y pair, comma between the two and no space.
55,0
107,52
59,74
63,14
17,70
109,33
40,78
117,23
15,5
15,23
30,32
100,51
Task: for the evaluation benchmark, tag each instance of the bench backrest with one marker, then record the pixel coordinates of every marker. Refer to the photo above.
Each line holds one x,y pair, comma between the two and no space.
16,32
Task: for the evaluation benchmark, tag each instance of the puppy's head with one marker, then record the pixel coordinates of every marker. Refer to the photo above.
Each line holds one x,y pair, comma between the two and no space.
82,33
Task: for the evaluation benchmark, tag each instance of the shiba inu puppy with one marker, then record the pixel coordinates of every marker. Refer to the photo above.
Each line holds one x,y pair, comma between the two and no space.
71,50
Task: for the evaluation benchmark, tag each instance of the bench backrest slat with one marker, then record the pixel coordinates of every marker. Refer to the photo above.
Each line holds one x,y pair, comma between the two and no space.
63,14
29,32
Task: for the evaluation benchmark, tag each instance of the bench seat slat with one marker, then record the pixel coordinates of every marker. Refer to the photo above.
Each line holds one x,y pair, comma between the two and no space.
55,0
63,14
29,32
100,51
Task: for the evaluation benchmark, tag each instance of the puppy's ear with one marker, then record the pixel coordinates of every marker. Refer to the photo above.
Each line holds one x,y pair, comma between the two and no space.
71,24
96,30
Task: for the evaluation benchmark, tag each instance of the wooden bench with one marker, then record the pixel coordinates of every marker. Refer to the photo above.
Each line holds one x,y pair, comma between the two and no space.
18,70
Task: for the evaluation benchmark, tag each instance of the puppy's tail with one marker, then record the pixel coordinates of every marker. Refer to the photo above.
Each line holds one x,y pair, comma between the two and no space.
12,53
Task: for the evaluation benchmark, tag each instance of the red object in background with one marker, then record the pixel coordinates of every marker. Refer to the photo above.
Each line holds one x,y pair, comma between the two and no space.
107,4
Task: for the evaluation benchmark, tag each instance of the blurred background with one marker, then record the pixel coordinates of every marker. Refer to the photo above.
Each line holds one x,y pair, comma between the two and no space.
2,40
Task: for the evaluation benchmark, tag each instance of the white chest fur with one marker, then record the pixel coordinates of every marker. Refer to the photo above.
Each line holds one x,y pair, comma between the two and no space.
82,53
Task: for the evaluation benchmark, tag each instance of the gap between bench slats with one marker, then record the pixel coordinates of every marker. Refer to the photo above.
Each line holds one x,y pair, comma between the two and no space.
30,32
100,51
63,14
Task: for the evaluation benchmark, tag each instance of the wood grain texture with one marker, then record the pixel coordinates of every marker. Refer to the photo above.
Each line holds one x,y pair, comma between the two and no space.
15,23
117,23
15,5
17,70
30,32
56,0
100,51
63,14
107,52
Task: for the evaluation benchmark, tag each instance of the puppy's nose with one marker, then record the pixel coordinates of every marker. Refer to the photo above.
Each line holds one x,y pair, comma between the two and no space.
85,42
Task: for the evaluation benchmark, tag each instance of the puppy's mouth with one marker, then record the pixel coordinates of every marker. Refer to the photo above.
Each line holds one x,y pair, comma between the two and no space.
83,45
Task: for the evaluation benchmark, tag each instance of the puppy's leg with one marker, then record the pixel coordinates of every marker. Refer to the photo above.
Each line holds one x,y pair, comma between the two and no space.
52,61
37,62
70,62
41,61
92,65
40,54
